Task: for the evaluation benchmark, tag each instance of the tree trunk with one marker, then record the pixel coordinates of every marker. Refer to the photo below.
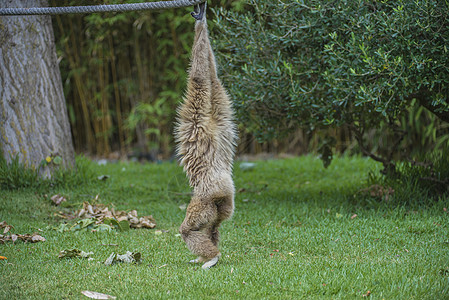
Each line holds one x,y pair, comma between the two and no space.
34,123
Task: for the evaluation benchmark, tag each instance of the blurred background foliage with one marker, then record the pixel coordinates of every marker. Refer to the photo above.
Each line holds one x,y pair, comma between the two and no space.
123,76
305,76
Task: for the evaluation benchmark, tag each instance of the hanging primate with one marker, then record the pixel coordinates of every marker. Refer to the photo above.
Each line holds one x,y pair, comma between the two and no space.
206,137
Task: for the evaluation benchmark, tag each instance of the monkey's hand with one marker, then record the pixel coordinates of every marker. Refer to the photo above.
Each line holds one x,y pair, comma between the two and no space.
199,11
210,263
207,265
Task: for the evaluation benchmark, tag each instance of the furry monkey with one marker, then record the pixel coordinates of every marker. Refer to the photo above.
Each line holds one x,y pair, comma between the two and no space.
206,138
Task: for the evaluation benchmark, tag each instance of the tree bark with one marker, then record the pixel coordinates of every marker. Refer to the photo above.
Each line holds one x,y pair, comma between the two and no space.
34,123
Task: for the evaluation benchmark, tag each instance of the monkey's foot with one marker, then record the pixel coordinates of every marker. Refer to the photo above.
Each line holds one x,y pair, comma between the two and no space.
210,263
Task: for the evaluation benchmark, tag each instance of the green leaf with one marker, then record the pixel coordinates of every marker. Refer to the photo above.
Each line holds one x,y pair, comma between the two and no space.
104,227
63,227
75,227
111,221
325,150
57,160
74,253
123,225
86,222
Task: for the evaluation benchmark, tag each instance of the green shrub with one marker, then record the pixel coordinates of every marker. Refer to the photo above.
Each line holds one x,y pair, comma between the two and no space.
320,64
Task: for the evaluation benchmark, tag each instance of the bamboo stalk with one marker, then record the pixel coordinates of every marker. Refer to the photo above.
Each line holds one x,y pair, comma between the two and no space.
105,104
142,139
118,110
98,109
73,62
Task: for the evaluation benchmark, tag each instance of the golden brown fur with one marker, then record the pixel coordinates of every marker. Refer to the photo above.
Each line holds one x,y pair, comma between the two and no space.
206,137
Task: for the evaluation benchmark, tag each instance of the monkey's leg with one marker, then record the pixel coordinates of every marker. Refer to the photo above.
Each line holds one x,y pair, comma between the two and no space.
215,234
200,244
214,237
195,231
225,209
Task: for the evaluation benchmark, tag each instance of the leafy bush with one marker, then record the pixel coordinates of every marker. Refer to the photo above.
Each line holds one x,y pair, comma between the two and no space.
315,64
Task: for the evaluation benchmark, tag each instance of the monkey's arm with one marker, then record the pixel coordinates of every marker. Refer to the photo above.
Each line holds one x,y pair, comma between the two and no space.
196,127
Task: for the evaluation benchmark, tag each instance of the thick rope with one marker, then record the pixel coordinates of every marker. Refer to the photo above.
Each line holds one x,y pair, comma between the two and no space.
98,8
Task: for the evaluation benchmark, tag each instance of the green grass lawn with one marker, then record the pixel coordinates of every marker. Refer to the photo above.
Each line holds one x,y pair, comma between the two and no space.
293,236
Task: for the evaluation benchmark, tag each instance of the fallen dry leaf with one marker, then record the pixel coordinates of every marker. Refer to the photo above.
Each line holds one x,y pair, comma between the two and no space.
96,295
37,238
6,227
128,257
57,199
102,213
33,238
3,257
146,222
